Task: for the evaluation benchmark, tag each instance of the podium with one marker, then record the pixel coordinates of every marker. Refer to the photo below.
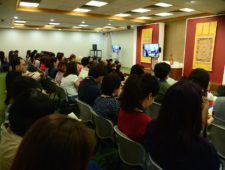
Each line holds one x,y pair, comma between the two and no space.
97,53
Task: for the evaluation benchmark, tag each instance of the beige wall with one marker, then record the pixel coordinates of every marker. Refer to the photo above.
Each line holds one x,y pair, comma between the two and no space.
174,40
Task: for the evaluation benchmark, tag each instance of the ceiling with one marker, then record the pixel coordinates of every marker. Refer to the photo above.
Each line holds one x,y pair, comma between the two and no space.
100,18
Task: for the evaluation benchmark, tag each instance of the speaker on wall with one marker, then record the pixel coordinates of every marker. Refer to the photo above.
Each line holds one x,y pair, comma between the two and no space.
94,47
128,27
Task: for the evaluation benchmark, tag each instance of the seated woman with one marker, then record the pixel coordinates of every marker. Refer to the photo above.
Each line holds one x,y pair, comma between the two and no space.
70,81
201,78
61,71
55,142
138,94
107,105
173,140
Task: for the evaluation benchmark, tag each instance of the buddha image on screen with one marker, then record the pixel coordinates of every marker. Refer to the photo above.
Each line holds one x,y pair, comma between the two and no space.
151,50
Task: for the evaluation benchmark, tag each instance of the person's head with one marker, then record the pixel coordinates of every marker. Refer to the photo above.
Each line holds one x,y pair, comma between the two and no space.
137,69
180,116
85,61
139,92
162,70
71,68
72,58
97,72
19,64
200,77
54,62
28,107
55,142
60,56
23,83
62,66
111,84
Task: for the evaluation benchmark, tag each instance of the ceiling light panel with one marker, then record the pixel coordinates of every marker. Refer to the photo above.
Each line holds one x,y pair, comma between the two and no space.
20,21
144,17
164,14
82,25
122,15
53,23
141,10
29,4
187,10
76,27
161,4
81,10
96,3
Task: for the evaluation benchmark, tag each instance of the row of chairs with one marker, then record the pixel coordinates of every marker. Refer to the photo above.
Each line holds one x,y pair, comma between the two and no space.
130,152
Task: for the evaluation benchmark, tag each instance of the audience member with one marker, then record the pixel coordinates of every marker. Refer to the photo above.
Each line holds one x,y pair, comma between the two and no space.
70,82
89,89
85,69
27,107
118,71
19,66
219,111
138,94
62,66
55,142
107,104
72,58
52,71
162,71
173,140
137,69
201,78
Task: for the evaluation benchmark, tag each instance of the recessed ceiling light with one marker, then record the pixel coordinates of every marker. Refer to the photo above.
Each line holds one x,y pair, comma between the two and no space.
82,25
107,27
83,22
29,4
122,15
81,10
12,27
187,10
15,17
37,28
161,4
164,14
109,24
52,20
59,29
53,23
76,27
96,3
18,24
141,10
144,17
20,21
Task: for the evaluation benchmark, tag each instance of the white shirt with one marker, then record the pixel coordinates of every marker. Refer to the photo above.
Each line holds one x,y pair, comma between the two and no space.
68,84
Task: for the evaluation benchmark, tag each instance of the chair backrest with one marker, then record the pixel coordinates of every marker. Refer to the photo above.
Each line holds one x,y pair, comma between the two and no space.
153,110
85,111
218,138
131,152
153,164
104,127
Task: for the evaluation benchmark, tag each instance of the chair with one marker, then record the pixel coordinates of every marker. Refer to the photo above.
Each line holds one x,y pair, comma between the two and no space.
85,111
104,127
153,165
130,152
153,110
65,106
218,139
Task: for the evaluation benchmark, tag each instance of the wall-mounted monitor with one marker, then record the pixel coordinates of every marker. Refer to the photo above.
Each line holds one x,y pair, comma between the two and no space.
116,48
151,50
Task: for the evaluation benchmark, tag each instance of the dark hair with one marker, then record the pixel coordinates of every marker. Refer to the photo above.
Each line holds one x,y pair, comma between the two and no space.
180,118
200,77
60,56
23,83
85,61
110,83
71,68
162,70
136,89
97,70
137,69
72,56
28,107
55,142
15,61
62,66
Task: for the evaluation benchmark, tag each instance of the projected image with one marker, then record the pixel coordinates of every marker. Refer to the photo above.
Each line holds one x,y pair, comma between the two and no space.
116,48
151,50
